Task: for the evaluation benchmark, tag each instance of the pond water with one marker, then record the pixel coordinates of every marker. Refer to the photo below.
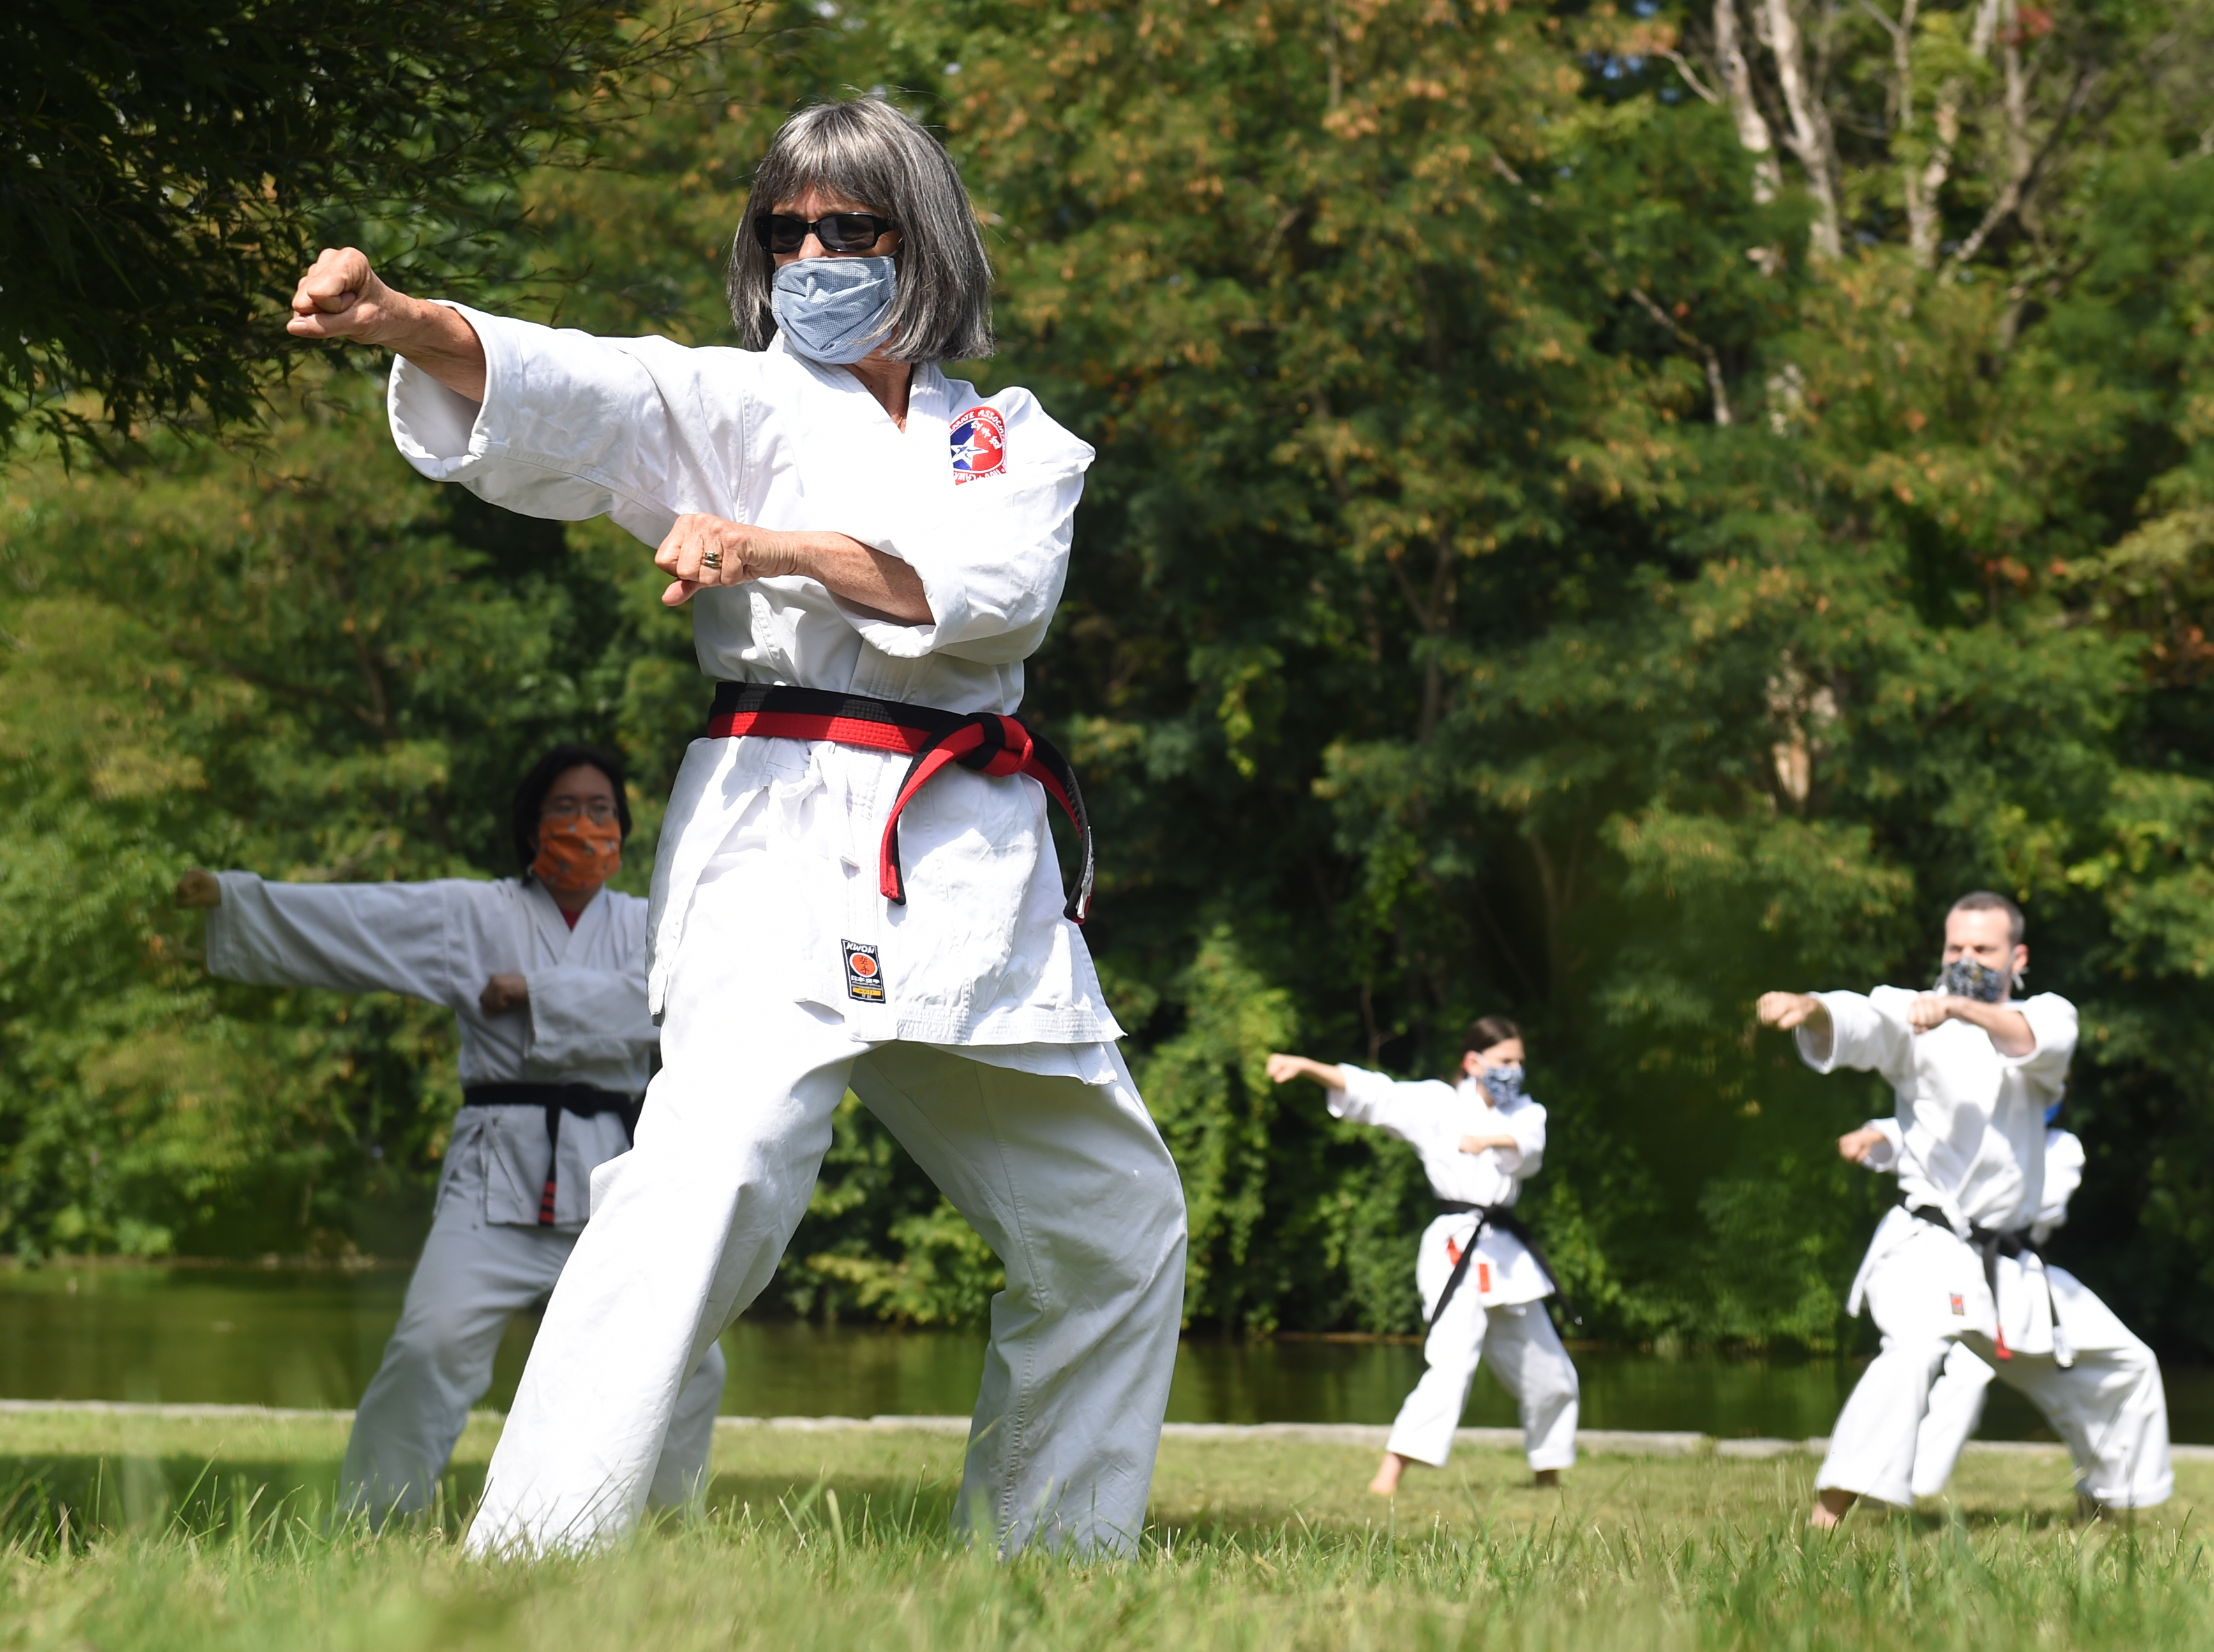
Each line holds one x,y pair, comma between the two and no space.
312,1337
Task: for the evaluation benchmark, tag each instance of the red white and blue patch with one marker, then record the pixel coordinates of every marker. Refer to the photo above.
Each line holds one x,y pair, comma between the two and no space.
980,444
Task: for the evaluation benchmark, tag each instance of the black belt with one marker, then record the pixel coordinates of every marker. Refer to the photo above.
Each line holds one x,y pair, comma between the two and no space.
1990,1244
556,1099
982,740
1499,1217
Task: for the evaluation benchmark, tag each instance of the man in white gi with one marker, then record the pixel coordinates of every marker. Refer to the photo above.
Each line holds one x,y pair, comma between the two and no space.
856,885
1964,1380
546,977
1483,1281
1974,1072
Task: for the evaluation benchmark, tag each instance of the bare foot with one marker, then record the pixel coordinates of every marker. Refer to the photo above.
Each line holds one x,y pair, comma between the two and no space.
1386,1482
1829,1506
1546,1479
2089,1511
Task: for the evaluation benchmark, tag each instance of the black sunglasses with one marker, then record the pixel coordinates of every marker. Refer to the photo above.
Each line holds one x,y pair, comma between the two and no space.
839,232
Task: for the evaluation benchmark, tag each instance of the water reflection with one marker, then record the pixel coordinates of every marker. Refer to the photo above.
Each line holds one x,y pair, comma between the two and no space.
289,1336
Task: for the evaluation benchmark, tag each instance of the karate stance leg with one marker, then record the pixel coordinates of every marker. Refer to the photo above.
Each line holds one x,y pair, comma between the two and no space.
1423,1432
1956,1407
1530,1364
2110,1405
1072,1187
1872,1446
679,1478
472,1278
687,1229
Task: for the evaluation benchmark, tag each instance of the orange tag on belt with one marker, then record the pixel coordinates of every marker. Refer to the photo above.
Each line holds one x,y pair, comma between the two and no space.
1483,1278
1452,1252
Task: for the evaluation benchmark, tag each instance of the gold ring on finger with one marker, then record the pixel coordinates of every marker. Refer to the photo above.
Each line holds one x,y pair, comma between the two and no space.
712,559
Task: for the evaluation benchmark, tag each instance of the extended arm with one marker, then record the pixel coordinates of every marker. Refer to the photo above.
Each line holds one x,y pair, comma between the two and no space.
1801,1012
1283,1069
342,297
2009,1029
352,937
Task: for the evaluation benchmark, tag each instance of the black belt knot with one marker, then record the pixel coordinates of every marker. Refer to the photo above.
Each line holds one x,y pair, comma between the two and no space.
583,1099
1990,1244
1498,1217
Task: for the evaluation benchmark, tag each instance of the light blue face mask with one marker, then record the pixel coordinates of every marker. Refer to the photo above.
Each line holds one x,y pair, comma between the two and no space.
832,310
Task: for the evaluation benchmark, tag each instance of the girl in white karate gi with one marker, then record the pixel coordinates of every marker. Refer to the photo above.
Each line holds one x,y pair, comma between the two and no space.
1480,1140
546,977
1956,1399
870,550
1974,1071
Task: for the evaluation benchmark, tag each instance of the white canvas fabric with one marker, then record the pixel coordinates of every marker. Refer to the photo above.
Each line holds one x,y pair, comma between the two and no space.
643,431
1970,1142
1068,1182
991,1051
486,1258
1432,1116
475,1276
1496,1310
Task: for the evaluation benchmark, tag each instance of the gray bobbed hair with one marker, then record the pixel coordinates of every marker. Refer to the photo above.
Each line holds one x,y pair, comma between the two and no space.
869,152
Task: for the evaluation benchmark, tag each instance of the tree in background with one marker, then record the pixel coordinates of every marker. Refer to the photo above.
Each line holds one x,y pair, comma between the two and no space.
166,171
1547,552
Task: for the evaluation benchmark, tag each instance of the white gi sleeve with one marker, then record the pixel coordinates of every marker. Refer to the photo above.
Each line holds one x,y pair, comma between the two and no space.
2051,1021
1884,1155
585,1017
1372,1099
2064,1175
1526,1125
350,937
991,551
640,430
1866,1034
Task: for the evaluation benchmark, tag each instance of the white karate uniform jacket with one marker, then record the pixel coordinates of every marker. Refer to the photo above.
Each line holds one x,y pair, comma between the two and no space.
1432,1116
642,430
1970,1135
586,1022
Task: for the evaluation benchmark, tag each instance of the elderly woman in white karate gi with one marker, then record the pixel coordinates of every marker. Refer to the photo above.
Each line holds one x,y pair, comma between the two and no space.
545,977
1974,1071
857,884
1483,1281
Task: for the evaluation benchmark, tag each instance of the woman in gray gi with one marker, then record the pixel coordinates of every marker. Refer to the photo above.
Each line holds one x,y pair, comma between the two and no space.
546,977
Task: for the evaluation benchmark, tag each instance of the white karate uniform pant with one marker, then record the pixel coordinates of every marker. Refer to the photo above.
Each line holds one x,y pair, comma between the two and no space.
474,1276
1068,1182
2109,1405
1956,1408
1527,1358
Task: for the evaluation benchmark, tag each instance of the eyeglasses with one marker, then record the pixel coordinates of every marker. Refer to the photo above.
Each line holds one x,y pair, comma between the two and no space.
839,232
599,810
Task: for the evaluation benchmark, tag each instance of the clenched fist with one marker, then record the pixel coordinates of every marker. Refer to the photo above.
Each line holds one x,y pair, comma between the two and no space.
341,297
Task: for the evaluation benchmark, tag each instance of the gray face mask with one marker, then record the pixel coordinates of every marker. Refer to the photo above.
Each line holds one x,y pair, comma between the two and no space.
1503,1084
832,310
1964,977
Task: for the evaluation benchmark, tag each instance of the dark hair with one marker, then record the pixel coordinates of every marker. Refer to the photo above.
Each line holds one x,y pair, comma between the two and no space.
1989,901
530,795
869,152
1487,1030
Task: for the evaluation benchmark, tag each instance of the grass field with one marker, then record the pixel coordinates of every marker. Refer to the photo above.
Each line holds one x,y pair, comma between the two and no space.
127,1533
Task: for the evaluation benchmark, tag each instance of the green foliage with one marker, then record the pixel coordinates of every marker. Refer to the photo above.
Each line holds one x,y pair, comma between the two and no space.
1547,553
166,171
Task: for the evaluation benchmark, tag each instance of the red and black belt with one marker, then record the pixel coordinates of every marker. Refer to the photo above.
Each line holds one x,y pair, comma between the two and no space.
983,740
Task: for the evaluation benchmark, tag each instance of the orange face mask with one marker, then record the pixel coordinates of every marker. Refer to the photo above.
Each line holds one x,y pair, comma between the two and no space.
579,853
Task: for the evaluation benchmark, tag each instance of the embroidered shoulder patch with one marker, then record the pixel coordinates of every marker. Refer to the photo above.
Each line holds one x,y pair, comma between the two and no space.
1960,1307
980,444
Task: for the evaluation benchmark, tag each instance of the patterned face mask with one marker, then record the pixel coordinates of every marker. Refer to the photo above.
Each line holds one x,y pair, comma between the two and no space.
1503,1084
578,854
1964,977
